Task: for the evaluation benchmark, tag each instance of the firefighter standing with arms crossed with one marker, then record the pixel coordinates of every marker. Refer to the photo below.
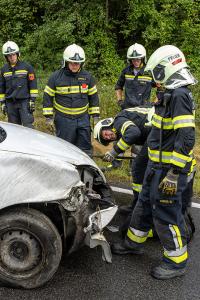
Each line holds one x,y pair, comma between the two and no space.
71,92
18,87
170,146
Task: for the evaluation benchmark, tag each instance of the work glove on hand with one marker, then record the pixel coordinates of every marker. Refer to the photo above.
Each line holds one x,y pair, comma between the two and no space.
31,105
50,121
169,184
120,103
110,155
4,108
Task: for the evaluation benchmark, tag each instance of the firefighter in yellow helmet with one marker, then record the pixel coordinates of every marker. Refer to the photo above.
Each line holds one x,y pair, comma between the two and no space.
18,87
71,98
170,148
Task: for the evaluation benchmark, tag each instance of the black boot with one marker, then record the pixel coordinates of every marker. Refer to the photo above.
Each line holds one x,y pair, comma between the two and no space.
166,271
126,247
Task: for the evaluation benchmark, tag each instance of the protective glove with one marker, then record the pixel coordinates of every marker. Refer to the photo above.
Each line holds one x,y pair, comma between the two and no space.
31,105
110,155
120,103
169,184
50,121
4,109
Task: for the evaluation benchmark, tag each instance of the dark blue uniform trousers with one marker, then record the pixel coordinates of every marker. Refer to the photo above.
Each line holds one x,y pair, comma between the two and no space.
76,131
162,211
18,112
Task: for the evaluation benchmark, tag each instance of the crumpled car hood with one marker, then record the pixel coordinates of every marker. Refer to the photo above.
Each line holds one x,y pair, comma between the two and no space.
34,142
37,167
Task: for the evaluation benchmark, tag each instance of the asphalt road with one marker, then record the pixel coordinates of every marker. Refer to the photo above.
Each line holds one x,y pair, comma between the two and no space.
85,276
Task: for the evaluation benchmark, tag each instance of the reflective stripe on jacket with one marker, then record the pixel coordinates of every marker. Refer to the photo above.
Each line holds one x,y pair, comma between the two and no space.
137,88
175,118
71,94
18,82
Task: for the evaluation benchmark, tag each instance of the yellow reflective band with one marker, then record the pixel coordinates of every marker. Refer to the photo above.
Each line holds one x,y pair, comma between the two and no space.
21,72
154,155
166,122
126,125
122,145
178,236
184,121
34,93
71,111
129,76
137,238
177,259
94,110
7,74
137,187
92,91
49,91
141,110
192,167
2,97
47,111
180,160
150,233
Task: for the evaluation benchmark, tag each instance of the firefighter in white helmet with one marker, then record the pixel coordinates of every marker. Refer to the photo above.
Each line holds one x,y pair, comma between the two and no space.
18,87
170,149
71,98
136,85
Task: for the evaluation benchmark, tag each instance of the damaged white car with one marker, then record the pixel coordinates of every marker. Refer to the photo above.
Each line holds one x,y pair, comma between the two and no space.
53,199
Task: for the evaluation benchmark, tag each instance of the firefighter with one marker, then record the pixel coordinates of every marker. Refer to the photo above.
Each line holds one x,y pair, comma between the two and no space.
18,87
137,86
130,126
72,93
170,148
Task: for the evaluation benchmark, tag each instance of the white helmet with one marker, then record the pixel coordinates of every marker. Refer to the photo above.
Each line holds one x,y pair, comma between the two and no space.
164,62
101,125
10,48
136,51
74,53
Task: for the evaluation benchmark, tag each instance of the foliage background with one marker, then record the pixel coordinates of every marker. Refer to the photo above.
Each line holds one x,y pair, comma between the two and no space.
105,29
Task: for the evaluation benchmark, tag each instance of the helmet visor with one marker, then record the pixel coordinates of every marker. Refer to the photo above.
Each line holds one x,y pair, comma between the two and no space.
159,73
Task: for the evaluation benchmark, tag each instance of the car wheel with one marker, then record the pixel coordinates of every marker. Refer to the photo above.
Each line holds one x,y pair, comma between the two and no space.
30,248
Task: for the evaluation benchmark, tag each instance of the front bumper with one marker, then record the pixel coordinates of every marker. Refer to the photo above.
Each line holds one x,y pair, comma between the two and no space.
94,231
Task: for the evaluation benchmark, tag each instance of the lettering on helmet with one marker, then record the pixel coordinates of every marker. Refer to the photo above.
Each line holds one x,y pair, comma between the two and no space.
172,57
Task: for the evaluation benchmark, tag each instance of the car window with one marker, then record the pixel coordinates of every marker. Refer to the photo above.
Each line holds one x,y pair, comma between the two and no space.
3,134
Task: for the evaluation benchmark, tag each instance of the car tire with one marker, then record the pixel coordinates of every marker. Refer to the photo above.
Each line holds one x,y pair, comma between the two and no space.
30,248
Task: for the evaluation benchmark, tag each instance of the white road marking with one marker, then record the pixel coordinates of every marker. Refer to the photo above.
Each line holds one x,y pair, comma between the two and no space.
130,192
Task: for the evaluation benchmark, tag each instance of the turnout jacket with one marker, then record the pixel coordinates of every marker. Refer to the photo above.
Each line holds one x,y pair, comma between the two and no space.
18,82
132,126
137,87
172,137
71,94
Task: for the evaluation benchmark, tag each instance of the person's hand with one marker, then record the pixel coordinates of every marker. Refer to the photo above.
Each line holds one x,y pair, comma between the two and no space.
120,103
110,156
4,109
50,121
169,184
31,105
